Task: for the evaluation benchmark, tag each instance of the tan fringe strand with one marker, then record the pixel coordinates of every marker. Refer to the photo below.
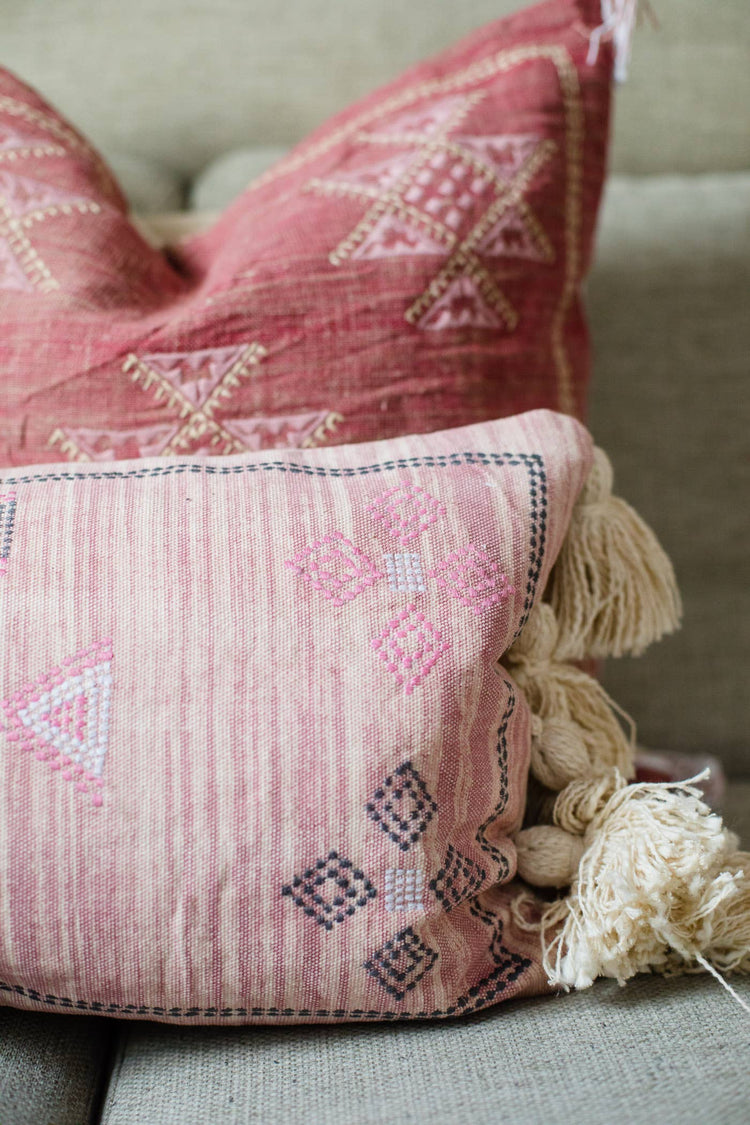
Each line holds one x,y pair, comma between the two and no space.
612,588
558,691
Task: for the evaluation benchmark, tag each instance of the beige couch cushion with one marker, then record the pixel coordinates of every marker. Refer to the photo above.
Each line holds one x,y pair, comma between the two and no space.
181,84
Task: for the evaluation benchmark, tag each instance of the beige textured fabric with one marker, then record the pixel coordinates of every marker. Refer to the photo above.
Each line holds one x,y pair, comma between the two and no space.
181,84
671,404
51,1067
673,1051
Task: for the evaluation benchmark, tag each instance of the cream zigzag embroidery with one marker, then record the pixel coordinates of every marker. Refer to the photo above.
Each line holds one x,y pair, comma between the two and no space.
195,422
480,71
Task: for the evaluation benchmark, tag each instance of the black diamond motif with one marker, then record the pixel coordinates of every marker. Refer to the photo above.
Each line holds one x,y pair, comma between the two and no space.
400,964
331,891
457,879
402,806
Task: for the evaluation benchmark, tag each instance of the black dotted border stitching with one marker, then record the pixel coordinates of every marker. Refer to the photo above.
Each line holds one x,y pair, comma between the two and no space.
7,518
513,966
502,756
532,462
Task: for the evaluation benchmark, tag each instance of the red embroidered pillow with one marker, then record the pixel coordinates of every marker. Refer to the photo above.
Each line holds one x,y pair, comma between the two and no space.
414,265
257,760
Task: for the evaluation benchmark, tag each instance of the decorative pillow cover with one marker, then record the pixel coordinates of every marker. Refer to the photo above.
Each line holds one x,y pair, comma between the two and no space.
414,265
258,760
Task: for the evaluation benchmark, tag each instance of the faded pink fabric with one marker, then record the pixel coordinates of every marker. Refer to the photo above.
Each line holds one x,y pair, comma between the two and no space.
415,264
257,759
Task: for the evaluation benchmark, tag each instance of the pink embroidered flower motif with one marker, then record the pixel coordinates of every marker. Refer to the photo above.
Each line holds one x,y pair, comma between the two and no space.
470,575
63,718
335,567
410,646
406,510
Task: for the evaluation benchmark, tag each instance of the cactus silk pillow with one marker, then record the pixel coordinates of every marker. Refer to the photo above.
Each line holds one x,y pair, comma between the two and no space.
258,760
414,265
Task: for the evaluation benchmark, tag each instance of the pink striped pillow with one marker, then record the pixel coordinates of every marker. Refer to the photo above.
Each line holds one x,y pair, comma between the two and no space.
258,760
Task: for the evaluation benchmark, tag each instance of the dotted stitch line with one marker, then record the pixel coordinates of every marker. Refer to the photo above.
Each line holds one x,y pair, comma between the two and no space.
32,264
506,973
532,462
502,757
24,151
15,108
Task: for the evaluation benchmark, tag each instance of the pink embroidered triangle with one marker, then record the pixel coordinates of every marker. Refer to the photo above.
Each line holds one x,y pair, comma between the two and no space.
510,237
11,140
503,154
429,120
461,306
274,433
378,175
392,237
115,445
24,196
63,718
196,374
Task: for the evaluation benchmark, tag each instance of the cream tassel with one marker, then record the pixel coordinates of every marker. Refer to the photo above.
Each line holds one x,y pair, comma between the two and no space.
578,803
618,20
558,753
556,691
547,856
612,588
549,853
660,886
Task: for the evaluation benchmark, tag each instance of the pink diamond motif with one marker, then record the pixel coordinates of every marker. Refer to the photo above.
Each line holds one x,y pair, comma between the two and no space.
410,646
406,511
335,567
475,579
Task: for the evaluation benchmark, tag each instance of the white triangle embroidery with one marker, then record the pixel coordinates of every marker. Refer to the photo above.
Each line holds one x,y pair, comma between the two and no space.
197,373
505,154
461,306
275,433
377,176
391,237
64,719
11,139
427,121
118,445
510,238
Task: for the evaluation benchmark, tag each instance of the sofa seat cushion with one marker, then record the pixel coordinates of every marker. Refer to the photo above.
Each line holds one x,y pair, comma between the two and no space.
668,1051
52,1067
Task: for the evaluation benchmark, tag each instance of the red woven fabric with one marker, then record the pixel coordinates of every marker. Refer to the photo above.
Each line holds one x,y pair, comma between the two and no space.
414,265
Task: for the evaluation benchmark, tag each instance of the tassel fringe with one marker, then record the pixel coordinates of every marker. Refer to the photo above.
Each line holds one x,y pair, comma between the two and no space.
613,588
572,706
618,20
660,887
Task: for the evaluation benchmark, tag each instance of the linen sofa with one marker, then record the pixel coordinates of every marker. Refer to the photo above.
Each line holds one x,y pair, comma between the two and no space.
188,102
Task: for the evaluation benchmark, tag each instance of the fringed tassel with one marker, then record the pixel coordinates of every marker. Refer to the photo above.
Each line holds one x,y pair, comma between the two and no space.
618,21
572,706
549,847
612,588
660,887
